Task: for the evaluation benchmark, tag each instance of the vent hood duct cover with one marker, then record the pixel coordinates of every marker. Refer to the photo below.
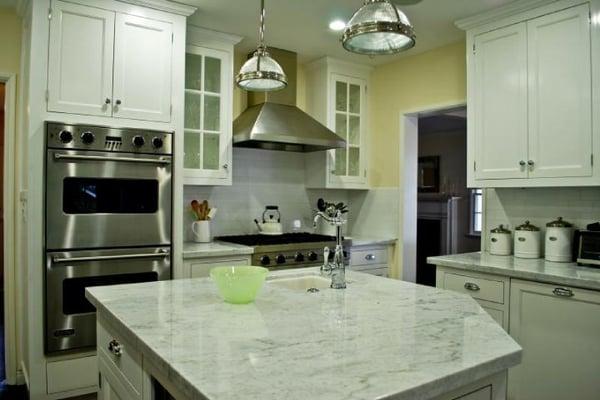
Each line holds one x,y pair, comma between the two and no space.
274,126
273,122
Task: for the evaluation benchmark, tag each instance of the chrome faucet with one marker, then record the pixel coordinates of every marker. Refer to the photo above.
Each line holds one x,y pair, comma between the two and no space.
336,267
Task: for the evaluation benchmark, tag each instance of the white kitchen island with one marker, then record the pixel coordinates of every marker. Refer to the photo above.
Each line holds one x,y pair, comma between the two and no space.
377,339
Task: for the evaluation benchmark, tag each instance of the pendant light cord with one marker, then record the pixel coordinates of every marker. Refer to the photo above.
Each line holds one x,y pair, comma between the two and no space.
261,29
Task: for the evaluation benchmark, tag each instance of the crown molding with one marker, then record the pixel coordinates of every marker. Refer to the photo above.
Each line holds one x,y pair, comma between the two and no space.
500,12
209,34
164,5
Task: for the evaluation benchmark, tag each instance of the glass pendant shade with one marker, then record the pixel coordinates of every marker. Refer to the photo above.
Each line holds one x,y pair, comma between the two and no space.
261,73
378,27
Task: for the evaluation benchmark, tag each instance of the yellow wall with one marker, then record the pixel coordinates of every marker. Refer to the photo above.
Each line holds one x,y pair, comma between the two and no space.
10,40
419,82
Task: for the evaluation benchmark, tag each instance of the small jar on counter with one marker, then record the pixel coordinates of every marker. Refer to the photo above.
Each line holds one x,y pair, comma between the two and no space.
527,241
500,241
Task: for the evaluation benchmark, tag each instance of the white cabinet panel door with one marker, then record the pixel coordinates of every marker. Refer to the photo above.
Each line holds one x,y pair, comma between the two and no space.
558,330
80,59
500,107
142,69
560,103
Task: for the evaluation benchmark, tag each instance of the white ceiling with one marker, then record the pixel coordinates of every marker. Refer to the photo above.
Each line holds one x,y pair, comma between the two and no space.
302,25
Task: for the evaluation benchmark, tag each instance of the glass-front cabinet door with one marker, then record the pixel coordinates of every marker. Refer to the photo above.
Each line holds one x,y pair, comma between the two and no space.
207,123
347,117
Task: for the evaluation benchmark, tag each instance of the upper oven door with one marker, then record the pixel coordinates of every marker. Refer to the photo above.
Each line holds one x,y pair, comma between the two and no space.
99,199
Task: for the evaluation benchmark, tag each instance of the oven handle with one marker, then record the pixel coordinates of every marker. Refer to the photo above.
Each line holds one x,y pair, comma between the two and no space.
163,253
59,156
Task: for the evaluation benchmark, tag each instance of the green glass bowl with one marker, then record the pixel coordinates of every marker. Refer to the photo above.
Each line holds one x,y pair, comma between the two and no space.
239,285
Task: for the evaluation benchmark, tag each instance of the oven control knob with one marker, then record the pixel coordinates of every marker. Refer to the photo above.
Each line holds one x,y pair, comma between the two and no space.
312,256
65,136
157,142
138,141
280,259
299,257
87,137
265,260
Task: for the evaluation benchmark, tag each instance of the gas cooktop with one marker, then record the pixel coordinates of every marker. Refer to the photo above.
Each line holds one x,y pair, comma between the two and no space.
270,240
288,250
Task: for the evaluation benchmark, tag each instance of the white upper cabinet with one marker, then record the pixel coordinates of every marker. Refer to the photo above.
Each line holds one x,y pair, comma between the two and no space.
106,63
208,107
500,104
560,97
81,59
337,97
532,87
142,69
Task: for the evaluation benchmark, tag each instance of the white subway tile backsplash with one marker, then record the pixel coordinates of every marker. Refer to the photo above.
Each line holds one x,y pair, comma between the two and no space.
511,207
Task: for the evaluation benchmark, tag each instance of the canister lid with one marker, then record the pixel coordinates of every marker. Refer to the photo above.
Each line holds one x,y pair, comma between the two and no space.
527,227
500,229
559,223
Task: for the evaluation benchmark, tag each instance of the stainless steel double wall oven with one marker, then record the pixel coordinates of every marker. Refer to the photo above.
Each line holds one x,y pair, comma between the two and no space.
108,220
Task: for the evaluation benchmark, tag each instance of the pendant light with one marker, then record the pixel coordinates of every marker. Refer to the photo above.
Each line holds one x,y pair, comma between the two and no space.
261,73
378,27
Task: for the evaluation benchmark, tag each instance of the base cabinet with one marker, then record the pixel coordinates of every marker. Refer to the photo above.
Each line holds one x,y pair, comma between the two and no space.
370,259
558,328
200,267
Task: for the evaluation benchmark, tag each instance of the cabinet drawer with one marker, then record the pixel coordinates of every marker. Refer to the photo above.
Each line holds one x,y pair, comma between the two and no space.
497,315
378,269
478,288
128,363
481,394
77,373
368,256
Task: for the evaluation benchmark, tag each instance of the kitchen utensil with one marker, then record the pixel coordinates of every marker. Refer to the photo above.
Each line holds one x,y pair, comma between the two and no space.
527,241
211,213
240,284
559,239
500,241
201,231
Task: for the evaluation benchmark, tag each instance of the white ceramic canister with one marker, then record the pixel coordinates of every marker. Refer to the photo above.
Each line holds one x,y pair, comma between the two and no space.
559,241
201,231
527,241
500,241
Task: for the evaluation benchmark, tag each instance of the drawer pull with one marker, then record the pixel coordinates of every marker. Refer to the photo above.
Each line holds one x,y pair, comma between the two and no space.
370,257
115,348
563,292
472,286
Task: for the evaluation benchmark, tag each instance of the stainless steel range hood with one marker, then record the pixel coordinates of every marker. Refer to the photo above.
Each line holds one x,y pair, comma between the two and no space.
273,122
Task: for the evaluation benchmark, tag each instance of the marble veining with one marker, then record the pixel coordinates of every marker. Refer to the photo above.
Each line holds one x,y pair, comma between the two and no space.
214,249
568,274
378,339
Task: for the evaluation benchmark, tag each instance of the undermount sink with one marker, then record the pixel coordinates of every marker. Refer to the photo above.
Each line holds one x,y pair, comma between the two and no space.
302,282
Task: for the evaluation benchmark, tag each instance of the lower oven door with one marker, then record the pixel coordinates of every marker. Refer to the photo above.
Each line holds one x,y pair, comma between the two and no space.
101,200
70,318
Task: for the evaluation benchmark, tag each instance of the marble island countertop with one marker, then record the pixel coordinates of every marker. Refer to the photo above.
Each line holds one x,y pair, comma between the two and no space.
569,274
379,338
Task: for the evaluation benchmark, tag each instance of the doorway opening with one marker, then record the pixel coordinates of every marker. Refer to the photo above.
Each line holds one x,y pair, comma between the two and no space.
441,215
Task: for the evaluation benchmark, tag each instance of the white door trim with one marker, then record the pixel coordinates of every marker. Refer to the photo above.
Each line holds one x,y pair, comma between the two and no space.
408,154
11,211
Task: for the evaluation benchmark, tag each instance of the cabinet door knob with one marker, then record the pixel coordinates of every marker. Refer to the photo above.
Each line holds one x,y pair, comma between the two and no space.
563,292
522,163
530,163
370,257
107,101
118,102
225,166
115,348
472,286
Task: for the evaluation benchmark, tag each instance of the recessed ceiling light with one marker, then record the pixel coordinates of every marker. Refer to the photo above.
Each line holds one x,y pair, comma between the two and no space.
337,25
